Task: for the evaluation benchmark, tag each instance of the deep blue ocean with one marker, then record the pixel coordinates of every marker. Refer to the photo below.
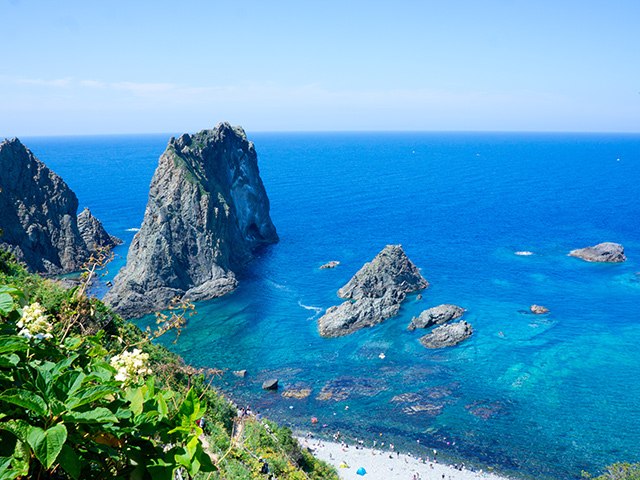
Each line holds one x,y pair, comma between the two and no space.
532,396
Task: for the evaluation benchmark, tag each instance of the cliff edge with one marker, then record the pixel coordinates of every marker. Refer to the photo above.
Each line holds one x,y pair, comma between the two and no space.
207,211
38,215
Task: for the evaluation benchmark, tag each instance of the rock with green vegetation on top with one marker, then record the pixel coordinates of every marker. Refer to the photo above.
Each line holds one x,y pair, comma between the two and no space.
207,211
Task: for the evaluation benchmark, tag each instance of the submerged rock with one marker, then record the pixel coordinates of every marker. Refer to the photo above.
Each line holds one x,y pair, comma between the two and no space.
436,316
603,252
377,290
539,309
447,335
271,384
207,211
38,214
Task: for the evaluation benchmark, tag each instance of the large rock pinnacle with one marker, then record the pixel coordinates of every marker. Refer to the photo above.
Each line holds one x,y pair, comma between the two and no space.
207,211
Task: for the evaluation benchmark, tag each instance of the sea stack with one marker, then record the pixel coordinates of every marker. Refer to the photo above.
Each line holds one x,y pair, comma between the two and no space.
374,293
207,211
603,252
38,215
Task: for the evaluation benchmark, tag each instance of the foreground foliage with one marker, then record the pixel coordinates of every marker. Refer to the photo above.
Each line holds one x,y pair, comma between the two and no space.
618,471
84,395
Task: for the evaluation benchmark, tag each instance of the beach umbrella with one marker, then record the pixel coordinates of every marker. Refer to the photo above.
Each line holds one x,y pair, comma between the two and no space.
361,471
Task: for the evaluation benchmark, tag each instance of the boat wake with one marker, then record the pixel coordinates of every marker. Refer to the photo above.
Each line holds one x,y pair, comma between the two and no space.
317,310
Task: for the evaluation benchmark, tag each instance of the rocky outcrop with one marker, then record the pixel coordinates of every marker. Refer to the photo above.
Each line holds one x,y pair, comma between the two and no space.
436,316
539,309
207,211
38,214
447,335
603,252
350,316
391,269
93,233
271,384
375,293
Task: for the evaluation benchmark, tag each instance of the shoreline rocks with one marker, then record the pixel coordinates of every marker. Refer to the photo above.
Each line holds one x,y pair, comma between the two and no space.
271,384
207,211
447,335
436,316
603,252
374,293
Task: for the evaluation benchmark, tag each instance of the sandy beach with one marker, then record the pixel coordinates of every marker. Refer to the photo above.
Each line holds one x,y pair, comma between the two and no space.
385,464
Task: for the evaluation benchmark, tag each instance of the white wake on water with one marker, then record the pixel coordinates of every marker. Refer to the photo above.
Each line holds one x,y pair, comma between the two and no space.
318,310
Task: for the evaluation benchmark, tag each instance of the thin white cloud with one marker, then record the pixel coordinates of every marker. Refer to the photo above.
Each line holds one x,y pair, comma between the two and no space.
92,83
145,89
59,82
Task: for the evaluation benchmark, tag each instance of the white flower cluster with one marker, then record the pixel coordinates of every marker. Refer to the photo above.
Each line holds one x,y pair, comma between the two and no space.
130,364
34,322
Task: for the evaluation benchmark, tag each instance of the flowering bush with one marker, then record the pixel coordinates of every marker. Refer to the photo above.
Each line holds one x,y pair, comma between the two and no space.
33,322
130,365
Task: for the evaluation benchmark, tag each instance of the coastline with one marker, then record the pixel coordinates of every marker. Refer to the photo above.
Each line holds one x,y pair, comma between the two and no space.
382,464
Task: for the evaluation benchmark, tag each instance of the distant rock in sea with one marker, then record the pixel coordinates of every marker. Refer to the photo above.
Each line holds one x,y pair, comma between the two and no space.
539,309
38,215
377,290
447,335
207,211
331,264
603,252
436,316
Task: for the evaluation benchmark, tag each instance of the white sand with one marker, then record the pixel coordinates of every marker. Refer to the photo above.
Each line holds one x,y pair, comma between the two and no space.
379,465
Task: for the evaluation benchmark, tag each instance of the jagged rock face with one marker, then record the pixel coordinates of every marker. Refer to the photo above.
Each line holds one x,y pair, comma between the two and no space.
447,335
38,213
378,289
207,211
436,316
391,269
93,233
603,252
350,316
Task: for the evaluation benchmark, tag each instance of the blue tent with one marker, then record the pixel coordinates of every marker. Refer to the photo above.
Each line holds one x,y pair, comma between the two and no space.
361,471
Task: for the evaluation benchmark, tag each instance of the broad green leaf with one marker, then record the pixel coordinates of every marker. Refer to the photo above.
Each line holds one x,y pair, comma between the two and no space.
96,415
12,290
72,343
69,382
25,399
64,364
5,462
134,395
20,428
9,360
43,380
190,408
91,394
69,461
47,444
162,405
13,344
6,304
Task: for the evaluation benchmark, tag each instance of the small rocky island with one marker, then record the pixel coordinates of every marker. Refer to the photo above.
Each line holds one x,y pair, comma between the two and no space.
603,252
207,211
436,316
447,335
373,294
38,215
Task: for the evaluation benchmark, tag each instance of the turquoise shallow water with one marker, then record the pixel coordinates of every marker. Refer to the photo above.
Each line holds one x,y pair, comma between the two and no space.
551,396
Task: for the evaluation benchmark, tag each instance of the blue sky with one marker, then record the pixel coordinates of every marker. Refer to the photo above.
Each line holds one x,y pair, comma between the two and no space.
91,67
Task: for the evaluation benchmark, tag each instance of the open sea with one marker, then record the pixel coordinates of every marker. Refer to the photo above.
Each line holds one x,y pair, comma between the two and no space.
533,396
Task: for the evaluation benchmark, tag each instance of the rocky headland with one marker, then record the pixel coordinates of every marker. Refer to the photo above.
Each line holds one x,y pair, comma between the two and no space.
38,215
447,335
373,294
207,211
603,252
436,316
